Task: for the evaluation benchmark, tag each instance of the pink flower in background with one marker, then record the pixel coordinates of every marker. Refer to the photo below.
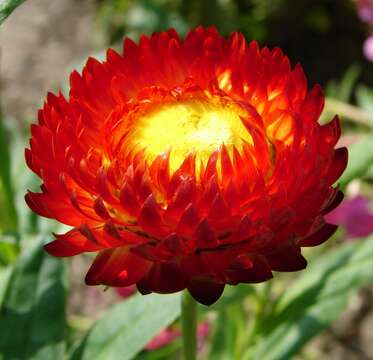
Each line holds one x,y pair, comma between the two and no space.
164,338
365,10
354,214
368,48
168,335
126,291
203,330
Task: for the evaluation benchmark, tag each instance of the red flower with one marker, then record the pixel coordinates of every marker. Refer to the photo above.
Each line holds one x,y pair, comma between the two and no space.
187,164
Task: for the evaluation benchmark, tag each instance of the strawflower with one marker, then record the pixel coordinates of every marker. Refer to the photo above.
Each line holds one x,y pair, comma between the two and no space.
188,163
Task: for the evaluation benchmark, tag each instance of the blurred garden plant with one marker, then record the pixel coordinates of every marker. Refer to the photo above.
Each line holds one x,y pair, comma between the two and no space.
166,220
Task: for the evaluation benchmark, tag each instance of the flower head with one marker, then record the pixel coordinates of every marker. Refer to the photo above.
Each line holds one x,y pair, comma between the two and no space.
187,164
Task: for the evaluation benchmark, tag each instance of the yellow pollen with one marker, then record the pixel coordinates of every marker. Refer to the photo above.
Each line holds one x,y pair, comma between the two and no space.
189,126
224,80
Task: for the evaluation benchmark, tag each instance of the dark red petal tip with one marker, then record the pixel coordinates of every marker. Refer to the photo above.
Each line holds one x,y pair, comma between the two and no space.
287,259
206,293
164,278
61,249
249,269
319,236
338,165
116,267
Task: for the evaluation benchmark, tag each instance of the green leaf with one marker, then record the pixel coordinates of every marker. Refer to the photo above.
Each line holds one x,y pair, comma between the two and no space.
230,337
342,90
7,6
316,299
128,327
9,250
364,98
5,276
5,176
222,342
231,295
32,318
162,353
360,157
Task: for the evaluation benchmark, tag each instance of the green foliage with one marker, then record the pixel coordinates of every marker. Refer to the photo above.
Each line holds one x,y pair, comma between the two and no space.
364,98
7,195
118,17
7,6
232,295
315,300
128,327
222,342
360,159
32,316
9,250
161,353
5,276
343,89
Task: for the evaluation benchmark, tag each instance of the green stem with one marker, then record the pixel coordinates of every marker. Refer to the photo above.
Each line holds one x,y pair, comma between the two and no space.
189,326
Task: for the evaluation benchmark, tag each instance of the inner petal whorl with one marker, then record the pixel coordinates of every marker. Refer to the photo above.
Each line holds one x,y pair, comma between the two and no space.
199,126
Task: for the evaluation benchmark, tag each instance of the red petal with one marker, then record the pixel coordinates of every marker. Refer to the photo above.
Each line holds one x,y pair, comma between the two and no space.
128,199
100,209
288,258
183,195
205,293
331,131
337,166
319,236
333,202
35,203
189,220
226,164
174,244
149,217
219,209
117,267
70,244
313,104
163,278
142,287
204,236
249,269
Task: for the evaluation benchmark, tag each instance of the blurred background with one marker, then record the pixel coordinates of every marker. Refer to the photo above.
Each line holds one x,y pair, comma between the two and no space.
43,40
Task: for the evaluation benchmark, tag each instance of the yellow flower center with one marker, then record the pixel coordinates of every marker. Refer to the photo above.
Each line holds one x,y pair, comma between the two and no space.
190,126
